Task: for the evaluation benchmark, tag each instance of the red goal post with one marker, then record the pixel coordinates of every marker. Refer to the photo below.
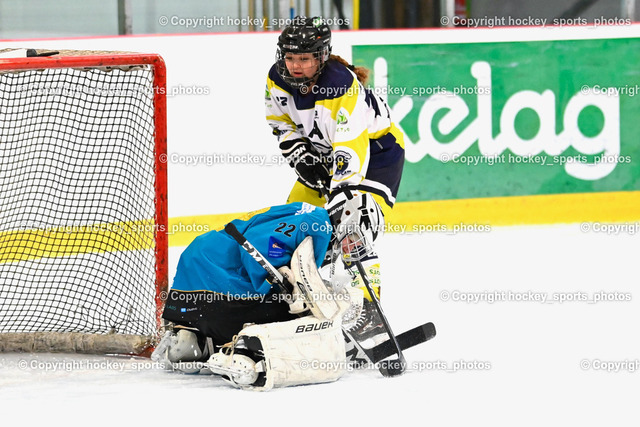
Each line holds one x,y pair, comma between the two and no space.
83,202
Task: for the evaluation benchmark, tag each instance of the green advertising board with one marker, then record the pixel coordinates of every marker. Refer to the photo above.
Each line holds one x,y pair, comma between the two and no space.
505,119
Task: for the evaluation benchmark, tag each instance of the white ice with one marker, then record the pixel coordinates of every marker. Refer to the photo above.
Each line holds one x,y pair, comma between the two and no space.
519,363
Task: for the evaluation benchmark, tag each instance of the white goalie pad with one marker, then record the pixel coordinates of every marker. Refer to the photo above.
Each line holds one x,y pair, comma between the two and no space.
323,303
297,352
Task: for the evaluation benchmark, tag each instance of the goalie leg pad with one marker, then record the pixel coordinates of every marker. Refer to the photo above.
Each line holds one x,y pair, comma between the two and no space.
297,352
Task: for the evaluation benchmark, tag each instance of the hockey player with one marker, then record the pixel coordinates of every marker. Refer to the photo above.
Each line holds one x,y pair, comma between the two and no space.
336,134
219,288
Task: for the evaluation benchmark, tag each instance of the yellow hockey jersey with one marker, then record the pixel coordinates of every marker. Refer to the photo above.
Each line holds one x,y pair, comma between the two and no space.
346,123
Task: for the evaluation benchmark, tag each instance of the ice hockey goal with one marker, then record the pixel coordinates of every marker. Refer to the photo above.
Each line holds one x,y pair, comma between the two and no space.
83,202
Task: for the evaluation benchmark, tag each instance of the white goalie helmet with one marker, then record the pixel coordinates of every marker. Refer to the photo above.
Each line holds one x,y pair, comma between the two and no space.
357,221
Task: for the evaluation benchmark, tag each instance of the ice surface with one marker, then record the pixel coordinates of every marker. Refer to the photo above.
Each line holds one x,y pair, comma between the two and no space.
519,362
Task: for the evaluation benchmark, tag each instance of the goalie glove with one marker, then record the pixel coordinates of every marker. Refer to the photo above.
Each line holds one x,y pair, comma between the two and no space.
308,286
306,161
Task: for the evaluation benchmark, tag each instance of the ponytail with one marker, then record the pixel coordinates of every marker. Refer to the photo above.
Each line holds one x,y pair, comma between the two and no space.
362,73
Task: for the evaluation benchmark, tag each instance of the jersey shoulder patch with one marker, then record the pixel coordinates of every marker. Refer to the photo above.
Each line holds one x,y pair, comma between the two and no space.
277,249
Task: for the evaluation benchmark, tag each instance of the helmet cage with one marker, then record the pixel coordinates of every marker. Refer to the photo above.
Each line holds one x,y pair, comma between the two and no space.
354,246
303,35
298,82
355,221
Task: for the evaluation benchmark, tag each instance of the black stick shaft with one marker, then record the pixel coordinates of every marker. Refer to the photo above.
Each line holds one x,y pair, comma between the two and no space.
272,272
376,302
383,317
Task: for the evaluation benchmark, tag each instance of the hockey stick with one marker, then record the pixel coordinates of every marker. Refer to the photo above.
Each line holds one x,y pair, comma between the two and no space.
407,339
392,367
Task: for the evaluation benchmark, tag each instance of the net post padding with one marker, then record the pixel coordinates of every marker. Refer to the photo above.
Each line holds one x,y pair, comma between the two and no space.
74,342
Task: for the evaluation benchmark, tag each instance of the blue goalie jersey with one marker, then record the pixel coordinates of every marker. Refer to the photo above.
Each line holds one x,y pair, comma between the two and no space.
215,262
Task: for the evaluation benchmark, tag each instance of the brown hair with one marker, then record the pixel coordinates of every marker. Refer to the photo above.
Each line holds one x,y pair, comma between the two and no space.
361,72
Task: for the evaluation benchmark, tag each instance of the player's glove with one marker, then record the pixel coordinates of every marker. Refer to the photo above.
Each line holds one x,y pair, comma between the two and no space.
306,161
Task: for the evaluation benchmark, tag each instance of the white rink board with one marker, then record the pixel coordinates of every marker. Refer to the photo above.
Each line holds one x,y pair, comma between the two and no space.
217,116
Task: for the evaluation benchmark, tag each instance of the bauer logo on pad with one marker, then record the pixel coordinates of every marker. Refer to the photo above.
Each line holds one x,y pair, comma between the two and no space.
277,249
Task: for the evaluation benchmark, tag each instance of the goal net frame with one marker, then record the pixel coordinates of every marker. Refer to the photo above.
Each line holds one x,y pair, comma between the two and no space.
106,343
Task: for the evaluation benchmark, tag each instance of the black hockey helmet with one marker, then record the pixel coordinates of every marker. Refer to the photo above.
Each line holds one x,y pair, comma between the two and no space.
303,35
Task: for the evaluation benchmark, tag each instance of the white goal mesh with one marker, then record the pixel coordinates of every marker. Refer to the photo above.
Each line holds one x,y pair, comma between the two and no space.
80,195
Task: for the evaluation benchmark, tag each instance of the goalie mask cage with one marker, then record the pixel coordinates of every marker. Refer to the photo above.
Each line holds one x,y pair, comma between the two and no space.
83,206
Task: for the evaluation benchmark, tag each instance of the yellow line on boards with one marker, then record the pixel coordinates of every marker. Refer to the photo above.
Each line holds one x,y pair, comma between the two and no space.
50,242
612,207
522,210
494,211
